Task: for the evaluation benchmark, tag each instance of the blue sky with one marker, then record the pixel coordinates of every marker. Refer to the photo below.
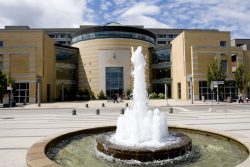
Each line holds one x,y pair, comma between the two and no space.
225,15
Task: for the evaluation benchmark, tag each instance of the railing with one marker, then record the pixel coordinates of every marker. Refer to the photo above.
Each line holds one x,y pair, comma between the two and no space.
161,65
162,80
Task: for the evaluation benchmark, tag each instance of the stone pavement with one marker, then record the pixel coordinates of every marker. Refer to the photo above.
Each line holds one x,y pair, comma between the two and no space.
22,126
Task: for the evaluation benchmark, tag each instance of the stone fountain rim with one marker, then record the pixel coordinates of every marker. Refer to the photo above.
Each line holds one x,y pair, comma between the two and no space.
36,154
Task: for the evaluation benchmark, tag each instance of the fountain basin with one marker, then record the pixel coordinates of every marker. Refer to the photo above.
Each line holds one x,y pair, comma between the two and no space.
37,155
181,145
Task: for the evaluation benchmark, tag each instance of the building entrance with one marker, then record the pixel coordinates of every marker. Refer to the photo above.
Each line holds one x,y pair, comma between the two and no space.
114,81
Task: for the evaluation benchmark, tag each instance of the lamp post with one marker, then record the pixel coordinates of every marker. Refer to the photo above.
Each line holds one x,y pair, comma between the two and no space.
38,80
191,91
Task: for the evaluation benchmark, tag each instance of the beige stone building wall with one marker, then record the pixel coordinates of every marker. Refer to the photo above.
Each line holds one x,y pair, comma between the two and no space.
192,51
26,54
97,54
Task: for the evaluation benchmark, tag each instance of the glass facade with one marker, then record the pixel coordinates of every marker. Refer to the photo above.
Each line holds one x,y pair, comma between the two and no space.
113,34
161,69
226,90
21,92
66,72
114,81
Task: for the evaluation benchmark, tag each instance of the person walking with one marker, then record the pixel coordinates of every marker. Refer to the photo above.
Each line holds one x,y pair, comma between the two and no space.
115,98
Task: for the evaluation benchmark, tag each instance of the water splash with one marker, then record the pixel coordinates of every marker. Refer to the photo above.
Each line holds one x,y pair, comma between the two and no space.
138,126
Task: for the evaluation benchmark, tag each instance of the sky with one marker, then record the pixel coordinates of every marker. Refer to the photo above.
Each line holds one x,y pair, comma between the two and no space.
224,15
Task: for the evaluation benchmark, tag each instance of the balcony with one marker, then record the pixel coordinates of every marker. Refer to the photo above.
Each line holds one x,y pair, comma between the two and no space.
162,81
161,65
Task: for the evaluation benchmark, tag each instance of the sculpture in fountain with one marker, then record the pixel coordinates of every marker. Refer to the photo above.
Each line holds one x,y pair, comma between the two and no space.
141,134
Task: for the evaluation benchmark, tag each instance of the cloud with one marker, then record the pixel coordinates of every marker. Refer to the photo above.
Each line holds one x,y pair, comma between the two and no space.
225,15
40,13
142,14
105,5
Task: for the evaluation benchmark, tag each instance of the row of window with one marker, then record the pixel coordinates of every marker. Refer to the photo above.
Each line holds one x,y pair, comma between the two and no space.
163,42
60,35
166,36
63,42
113,34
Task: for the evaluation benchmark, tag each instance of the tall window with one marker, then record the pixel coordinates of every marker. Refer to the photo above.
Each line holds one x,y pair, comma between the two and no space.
1,44
114,81
224,66
179,90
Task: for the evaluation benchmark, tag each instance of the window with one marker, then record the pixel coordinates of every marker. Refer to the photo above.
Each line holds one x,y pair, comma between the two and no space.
161,42
63,36
61,42
161,35
171,36
1,43
224,66
22,92
223,43
179,90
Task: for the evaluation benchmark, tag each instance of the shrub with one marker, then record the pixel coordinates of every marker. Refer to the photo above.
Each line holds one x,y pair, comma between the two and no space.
101,95
161,96
153,95
86,94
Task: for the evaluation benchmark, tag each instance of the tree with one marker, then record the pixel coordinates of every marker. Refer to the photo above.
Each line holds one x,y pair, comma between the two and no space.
214,72
239,77
3,85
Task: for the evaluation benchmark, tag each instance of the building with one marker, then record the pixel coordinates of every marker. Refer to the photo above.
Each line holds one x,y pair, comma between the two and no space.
26,55
105,52
192,51
97,58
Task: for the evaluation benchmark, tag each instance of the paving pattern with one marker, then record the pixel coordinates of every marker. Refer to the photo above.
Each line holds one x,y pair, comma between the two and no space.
20,128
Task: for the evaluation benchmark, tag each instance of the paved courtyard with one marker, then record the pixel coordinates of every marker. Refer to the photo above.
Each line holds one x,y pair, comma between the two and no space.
22,126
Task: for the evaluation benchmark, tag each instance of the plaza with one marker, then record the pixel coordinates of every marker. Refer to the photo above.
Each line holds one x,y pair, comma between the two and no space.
23,126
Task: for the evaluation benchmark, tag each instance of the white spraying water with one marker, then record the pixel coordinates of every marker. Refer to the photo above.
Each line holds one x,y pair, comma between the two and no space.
138,126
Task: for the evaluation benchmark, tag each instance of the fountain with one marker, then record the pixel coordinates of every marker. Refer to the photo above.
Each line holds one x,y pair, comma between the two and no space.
141,134
141,138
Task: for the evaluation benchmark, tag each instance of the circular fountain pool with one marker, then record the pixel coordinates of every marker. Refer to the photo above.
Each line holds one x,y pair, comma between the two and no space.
79,149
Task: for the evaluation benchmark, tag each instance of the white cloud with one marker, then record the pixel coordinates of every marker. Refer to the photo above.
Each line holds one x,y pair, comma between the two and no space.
142,14
229,15
105,4
41,13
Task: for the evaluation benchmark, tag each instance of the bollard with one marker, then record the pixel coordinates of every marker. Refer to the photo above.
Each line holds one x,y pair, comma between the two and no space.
103,105
97,111
171,111
74,112
122,111
87,105
126,104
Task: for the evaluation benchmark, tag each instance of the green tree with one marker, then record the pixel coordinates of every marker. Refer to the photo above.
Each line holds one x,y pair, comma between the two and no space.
239,77
214,72
3,85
